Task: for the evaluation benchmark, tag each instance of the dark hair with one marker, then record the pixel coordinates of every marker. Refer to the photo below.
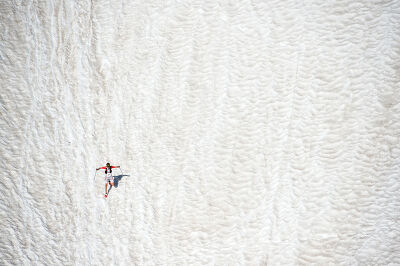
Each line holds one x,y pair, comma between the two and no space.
108,167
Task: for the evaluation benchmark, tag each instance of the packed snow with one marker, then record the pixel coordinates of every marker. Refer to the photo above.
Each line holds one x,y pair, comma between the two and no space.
248,132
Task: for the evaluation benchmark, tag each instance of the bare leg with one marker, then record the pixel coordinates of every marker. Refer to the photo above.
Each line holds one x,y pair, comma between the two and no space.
106,188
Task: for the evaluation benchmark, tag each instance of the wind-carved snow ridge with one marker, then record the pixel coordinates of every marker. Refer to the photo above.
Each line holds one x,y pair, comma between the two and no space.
248,132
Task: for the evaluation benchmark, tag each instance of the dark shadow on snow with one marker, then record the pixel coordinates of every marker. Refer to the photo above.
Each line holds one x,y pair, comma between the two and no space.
118,178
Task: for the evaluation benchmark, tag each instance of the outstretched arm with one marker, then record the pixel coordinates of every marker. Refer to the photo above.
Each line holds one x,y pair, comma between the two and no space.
101,168
115,166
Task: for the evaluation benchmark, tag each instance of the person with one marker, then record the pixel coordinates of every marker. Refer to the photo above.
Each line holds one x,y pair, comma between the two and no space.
108,177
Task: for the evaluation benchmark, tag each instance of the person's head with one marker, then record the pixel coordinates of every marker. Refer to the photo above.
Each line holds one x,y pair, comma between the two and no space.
108,165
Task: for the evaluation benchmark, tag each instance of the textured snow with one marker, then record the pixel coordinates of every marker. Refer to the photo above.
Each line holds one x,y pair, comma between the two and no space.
248,132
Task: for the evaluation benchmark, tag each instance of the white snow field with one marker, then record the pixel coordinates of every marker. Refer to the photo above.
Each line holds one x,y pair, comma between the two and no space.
248,132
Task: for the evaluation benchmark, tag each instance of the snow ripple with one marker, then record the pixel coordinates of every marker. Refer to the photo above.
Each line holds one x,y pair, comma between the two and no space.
249,132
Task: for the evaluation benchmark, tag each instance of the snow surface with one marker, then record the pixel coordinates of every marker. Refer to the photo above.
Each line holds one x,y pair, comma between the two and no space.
248,132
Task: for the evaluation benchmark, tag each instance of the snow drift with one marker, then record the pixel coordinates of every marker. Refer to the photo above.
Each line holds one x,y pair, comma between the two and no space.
248,132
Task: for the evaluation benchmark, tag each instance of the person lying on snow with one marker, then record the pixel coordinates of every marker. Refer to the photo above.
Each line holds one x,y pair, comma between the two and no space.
109,179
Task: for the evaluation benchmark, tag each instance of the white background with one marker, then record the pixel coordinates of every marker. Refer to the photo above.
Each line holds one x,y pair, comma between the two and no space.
248,132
